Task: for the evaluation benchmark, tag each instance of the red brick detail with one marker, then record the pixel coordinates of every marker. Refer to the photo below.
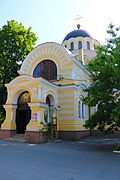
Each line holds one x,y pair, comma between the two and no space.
73,135
35,137
6,133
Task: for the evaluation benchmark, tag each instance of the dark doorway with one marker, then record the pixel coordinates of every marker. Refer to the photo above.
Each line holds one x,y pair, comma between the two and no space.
23,113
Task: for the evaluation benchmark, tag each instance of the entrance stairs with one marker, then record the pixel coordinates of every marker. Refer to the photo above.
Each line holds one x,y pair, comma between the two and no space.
17,138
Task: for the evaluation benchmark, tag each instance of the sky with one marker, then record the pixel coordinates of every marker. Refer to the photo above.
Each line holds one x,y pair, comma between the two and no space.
52,20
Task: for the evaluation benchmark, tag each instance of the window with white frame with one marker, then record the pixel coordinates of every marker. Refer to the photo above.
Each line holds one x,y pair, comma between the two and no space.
81,109
88,45
72,46
79,44
46,69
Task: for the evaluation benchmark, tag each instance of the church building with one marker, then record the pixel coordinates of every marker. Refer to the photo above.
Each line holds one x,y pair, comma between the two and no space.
50,88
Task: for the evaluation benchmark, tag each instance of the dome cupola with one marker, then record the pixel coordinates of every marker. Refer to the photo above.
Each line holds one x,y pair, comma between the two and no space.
81,44
78,39
77,33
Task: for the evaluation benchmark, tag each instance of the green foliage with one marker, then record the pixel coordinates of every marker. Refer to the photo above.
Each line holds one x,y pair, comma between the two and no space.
15,43
46,128
105,91
1,118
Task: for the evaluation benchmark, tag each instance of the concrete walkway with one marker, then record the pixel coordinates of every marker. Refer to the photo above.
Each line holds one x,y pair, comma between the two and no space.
88,159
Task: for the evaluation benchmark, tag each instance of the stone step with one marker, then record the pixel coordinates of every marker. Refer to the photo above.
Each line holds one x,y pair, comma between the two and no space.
17,138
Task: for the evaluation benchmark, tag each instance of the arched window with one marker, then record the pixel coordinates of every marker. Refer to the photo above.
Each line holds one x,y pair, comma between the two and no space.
81,108
79,45
48,113
65,46
88,45
72,46
46,69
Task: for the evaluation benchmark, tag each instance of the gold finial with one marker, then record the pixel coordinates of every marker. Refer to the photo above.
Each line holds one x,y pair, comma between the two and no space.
78,26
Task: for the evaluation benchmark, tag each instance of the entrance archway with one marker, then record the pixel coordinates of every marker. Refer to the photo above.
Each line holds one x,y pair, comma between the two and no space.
23,112
50,115
49,108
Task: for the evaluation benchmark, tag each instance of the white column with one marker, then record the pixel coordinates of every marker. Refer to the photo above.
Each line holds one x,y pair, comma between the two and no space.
38,115
81,109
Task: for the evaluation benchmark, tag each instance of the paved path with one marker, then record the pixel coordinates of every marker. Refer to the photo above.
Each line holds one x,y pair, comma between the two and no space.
87,159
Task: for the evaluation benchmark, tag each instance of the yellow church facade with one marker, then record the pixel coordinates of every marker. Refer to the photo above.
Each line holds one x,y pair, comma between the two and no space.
50,88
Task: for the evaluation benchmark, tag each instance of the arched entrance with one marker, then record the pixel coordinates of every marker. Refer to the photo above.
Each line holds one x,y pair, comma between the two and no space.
49,109
23,113
50,115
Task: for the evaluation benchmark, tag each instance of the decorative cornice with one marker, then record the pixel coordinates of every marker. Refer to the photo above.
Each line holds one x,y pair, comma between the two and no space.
10,106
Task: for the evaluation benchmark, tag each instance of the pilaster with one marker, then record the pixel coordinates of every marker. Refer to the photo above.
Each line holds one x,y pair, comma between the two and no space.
37,116
9,122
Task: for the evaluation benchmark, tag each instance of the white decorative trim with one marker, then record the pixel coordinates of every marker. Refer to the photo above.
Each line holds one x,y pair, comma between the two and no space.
42,59
41,104
17,92
67,117
11,106
33,104
39,92
58,47
22,77
49,83
11,115
38,116
68,86
54,99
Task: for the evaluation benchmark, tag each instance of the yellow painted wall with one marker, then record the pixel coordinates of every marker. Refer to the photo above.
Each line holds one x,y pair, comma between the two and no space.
65,92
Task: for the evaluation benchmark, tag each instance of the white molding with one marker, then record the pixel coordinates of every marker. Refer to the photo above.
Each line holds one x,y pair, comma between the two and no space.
11,106
17,92
39,92
42,59
48,83
11,115
38,116
68,86
22,77
40,104
59,47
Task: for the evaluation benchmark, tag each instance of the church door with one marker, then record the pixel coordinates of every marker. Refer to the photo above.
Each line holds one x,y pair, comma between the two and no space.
23,113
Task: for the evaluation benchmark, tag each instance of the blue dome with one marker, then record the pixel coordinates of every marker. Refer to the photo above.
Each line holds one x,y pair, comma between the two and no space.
77,33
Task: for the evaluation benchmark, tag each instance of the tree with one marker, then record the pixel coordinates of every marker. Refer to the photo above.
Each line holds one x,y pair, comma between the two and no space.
105,90
15,43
